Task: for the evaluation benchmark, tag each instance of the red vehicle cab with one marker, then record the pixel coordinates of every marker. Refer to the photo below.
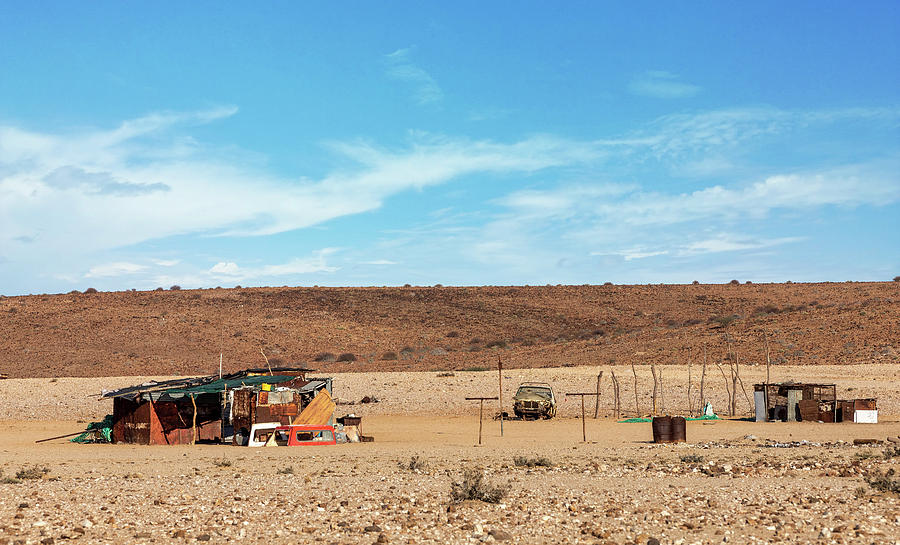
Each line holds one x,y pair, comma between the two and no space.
303,435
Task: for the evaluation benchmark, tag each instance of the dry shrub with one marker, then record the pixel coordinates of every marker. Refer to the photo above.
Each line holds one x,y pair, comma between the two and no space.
389,356
735,282
453,334
474,487
415,464
346,356
176,287
537,461
33,472
90,290
325,357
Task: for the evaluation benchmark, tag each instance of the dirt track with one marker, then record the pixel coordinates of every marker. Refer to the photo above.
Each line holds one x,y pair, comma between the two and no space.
734,480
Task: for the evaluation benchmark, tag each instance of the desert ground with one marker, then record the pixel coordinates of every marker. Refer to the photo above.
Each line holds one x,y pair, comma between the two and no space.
733,481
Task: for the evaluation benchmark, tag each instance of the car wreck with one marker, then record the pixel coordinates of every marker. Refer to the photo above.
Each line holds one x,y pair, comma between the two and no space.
534,400
219,409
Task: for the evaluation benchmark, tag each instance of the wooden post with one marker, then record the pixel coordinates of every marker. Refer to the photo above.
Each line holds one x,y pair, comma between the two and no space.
727,389
653,395
597,403
637,411
267,360
615,383
766,340
194,422
703,382
500,376
690,405
583,429
481,401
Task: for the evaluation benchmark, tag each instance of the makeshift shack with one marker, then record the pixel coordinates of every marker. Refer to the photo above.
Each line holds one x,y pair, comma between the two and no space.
807,402
214,409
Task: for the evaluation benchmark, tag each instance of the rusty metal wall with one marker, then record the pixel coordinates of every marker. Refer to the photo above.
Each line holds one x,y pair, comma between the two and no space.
131,422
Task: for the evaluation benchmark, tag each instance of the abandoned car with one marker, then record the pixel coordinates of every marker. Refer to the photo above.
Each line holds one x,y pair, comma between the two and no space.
534,400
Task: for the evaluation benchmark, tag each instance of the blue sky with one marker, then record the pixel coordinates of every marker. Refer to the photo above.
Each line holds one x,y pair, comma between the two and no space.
461,143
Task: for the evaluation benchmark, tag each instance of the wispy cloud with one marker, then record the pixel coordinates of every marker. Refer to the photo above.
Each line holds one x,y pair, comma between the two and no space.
662,84
114,269
317,263
726,242
424,88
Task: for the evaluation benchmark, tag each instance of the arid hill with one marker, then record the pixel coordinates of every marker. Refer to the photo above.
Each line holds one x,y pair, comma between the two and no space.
422,328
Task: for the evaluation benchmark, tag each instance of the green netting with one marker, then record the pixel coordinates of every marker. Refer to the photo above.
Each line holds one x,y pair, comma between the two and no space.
648,419
97,432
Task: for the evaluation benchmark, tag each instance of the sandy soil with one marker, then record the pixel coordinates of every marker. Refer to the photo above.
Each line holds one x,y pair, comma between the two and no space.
433,328
734,481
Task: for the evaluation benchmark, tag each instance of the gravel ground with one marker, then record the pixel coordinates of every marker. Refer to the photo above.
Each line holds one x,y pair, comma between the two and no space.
734,481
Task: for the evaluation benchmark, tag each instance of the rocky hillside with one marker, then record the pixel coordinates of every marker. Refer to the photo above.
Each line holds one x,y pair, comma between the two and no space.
421,328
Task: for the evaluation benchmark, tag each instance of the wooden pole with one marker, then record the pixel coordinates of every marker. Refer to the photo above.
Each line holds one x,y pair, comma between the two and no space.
653,395
637,411
727,389
220,366
481,401
615,383
690,405
194,422
703,383
597,403
267,360
583,429
500,376
766,340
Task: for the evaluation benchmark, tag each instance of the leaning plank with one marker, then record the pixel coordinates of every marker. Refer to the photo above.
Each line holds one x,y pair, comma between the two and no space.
318,412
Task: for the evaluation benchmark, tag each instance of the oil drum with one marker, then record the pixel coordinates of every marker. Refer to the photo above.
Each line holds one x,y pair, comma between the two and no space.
679,429
662,429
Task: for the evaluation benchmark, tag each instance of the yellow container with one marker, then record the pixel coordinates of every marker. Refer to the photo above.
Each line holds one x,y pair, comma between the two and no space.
266,387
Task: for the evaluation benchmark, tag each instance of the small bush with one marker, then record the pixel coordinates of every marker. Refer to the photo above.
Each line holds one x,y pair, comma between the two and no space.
8,480
735,282
446,374
159,289
897,279
32,473
289,470
414,464
453,334
891,452
474,487
224,462
723,321
324,357
695,282
884,482
607,283
90,290
176,287
692,459
475,340
74,292
538,461
389,356
346,356
476,368
499,343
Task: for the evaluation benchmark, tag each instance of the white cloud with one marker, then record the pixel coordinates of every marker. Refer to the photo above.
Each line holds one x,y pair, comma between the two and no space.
166,262
379,262
730,243
662,84
399,65
223,268
114,269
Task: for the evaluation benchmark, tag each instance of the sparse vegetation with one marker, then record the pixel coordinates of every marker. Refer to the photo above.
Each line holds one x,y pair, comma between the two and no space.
692,459
223,462
473,486
735,282
453,334
695,282
346,356
415,463
90,290
8,480
884,482
897,279
176,287
325,357
476,368
389,356
891,452
289,470
537,461
499,343
32,473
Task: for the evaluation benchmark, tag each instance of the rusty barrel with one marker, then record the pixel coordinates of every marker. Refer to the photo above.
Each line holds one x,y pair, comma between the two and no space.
679,429
662,429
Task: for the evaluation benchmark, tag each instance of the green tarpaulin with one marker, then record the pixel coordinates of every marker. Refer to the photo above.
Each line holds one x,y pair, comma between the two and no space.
97,432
